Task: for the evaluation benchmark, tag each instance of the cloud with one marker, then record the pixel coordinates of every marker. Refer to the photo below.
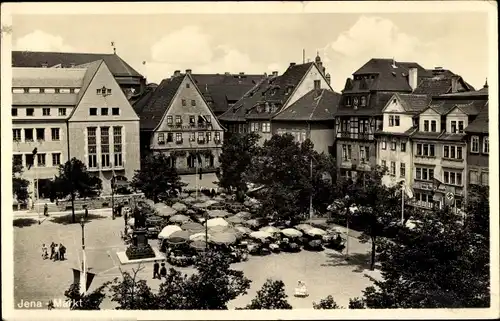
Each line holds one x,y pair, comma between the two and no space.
41,41
191,48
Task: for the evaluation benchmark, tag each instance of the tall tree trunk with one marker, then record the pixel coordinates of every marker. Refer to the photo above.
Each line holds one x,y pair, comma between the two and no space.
372,264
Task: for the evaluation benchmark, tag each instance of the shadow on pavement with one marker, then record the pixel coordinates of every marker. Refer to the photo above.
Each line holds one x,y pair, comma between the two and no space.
361,261
24,222
66,219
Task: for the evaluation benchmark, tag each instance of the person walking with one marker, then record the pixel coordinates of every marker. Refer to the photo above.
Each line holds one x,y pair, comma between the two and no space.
62,251
163,271
46,210
156,270
45,255
56,252
86,215
52,250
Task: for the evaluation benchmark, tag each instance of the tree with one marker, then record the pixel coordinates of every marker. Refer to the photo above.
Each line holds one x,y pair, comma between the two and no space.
131,293
443,262
90,301
324,181
356,303
327,303
19,184
271,296
157,179
74,179
237,154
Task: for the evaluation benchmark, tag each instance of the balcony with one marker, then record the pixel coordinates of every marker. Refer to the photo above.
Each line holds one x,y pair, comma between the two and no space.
190,127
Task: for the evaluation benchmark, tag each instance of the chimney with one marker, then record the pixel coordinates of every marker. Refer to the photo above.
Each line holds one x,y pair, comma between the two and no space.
454,83
328,78
292,64
275,74
227,73
188,71
413,78
177,73
486,83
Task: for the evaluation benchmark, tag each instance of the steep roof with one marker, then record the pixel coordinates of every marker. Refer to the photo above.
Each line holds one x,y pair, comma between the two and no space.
117,66
480,124
468,106
413,103
316,105
376,103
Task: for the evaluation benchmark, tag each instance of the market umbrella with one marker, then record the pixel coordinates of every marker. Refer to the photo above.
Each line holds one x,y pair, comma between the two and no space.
303,227
192,227
235,231
189,199
218,198
148,202
198,245
224,238
168,230
235,220
131,222
179,218
244,215
217,229
153,220
260,235
252,223
164,210
179,207
183,195
244,230
315,232
178,237
218,213
291,232
270,229
211,202
217,222
200,206
200,237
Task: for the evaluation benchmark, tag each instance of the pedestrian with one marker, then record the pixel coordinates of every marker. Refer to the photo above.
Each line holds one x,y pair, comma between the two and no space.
62,251
163,271
86,215
46,210
44,252
52,250
56,252
156,269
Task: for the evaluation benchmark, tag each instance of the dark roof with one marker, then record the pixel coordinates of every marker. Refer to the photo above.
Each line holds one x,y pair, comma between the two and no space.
480,124
406,133
477,93
376,103
117,66
433,86
316,105
468,106
152,106
225,79
413,103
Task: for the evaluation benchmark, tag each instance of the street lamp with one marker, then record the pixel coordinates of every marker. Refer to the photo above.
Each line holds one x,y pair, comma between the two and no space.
113,180
83,279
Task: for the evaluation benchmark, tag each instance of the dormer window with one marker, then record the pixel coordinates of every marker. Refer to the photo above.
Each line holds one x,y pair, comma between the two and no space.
348,101
363,101
268,109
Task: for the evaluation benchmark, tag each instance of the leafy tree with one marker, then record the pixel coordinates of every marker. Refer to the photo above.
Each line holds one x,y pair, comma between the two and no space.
271,296
443,262
131,293
324,181
74,179
90,301
356,303
19,184
327,303
237,154
157,179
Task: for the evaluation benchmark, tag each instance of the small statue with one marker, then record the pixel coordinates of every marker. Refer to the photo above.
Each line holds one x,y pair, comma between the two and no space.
139,219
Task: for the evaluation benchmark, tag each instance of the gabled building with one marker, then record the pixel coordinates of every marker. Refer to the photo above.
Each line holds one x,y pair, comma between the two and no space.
131,82
176,120
73,112
272,95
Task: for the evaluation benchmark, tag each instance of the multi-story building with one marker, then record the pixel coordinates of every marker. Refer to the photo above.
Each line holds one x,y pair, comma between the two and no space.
176,120
131,82
73,112
258,107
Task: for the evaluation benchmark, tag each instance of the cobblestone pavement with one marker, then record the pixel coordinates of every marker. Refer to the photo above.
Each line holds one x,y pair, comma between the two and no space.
324,272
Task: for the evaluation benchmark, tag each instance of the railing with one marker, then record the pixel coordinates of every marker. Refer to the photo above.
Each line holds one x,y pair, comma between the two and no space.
183,127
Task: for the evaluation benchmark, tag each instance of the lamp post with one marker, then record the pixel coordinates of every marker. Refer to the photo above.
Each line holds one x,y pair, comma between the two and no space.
83,279
113,179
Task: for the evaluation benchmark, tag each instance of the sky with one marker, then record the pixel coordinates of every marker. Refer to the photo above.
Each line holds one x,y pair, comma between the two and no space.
156,45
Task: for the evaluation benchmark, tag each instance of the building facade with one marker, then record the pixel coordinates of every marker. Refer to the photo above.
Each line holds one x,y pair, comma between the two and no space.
58,110
176,120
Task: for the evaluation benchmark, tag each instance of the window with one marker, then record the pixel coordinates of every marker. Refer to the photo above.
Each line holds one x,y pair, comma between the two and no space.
348,101
201,137
30,160
18,90
427,150
99,91
104,111
383,164
16,134
384,144
484,178
93,111
426,125
178,137
192,120
474,144
161,139
486,145
187,85
346,152
62,112
192,137
193,102
474,177
217,137
363,101
303,136
453,126
403,146
178,120
364,153
391,120
433,126
34,90
393,168
424,200
363,126
117,146
30,112
105,157
208,118
452,152
40,134
13,112
396,120
183,102
40,160
55,133
317,84
209,136
46,111
56,159
115,111
49,90
170,120
266,127
452,178
28,134
108,91
460,126
422,173
402,170
170,138
92,146
393,145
